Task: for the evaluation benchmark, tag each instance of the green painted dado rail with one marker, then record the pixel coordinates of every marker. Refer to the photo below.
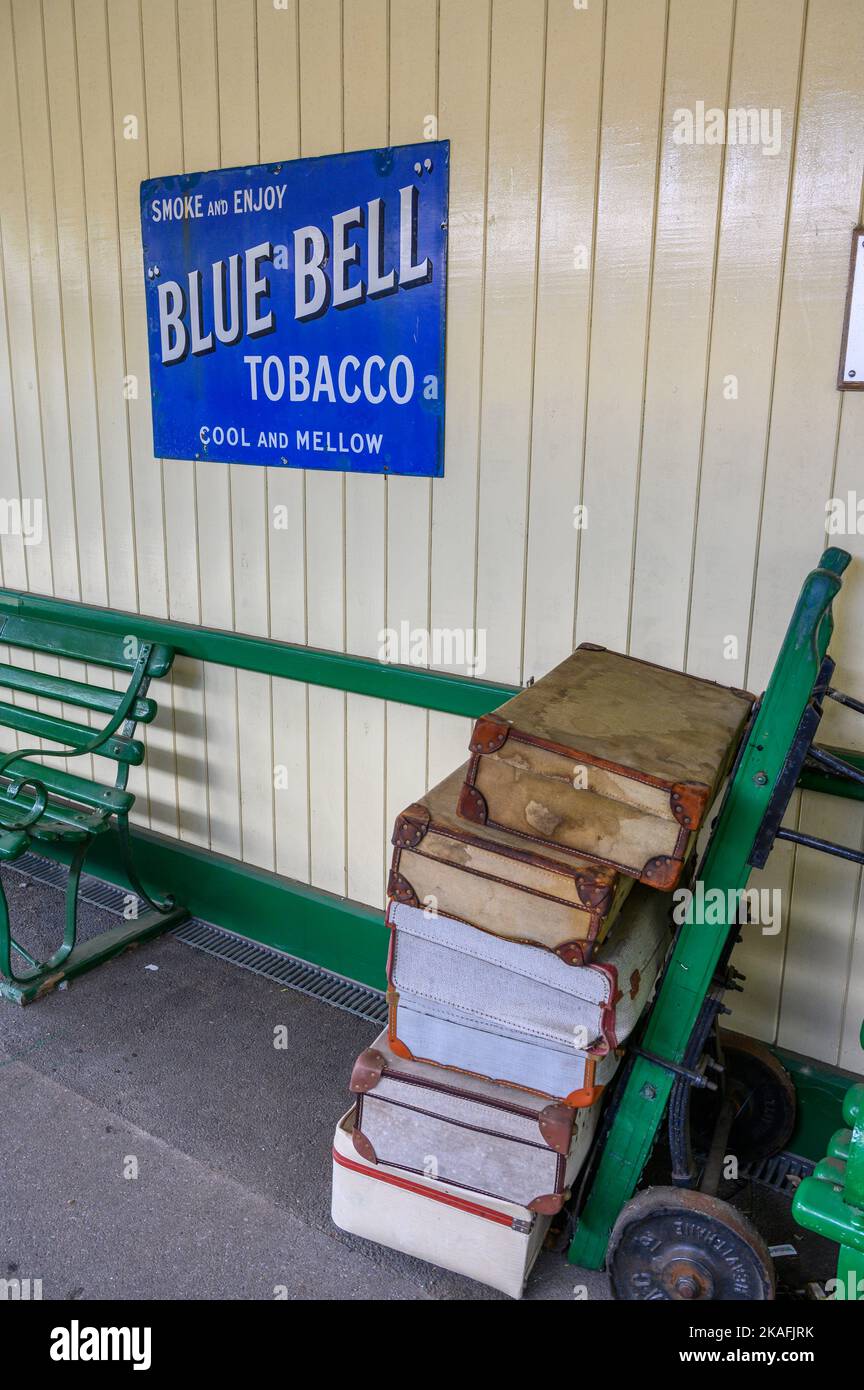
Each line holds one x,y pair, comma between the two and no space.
359,675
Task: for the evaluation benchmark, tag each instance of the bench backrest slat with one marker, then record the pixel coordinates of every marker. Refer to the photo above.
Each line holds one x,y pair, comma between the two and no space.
79,644
29,721
71,692
72,787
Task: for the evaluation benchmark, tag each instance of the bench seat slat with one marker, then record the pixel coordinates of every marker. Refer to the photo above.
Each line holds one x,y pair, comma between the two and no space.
73,788
79,644
29,721
55,816
70,692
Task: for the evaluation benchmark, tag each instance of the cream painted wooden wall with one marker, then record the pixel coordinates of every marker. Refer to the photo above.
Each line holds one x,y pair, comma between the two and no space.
605,283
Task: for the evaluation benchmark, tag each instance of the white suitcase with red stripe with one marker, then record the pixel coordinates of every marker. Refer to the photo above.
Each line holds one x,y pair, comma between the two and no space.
492,1241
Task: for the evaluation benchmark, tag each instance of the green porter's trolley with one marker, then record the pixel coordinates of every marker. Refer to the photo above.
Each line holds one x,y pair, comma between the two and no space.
681,1241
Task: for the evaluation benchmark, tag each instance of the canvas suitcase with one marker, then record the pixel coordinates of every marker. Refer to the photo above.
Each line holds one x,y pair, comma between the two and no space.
613,758
485,1238
471,1133
494,881
508,988
451,1041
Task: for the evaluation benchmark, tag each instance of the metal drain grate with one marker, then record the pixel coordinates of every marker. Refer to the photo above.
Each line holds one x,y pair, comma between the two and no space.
285,970
782,1172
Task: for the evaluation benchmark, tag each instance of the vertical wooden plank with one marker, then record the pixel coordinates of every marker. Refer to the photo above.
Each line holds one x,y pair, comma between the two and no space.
366,119
130,155
413,99
12,548
321,133
574,43
515,145
165,155
697,70
129,105
92,65
81,505
59,538
106,299
279,135
842,726
55,537
448,745
166,127
71,217
765,70
463,103
19,290
237,56
825,203
199,95
632,101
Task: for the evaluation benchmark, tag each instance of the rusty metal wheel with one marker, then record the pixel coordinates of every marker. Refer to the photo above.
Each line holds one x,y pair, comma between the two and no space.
764,1098
670,1244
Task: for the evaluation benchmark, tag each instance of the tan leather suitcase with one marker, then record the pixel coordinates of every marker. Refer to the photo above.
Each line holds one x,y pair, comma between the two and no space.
493,880
612,758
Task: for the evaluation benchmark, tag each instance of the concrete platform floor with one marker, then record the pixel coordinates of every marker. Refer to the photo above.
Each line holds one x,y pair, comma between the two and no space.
172,1074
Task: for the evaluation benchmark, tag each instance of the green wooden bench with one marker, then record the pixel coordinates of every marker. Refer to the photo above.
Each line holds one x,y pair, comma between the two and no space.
41,803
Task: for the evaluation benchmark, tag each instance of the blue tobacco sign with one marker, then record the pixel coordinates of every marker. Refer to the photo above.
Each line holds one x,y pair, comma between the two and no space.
295,311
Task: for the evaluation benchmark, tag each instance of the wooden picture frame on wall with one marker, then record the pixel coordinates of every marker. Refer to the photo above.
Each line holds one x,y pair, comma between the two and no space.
850,373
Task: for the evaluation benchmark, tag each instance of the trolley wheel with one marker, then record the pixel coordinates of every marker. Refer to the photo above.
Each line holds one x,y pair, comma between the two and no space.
764,1097
670,1244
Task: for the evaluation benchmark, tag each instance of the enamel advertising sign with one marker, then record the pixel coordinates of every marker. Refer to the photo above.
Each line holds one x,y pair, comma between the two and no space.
295,311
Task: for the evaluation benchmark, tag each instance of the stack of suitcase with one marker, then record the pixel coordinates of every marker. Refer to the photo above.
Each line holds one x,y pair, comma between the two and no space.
527,934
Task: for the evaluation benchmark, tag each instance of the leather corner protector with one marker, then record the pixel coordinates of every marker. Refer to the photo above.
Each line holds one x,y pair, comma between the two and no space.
594,893
367,1071
662,872
590,647
556,1127
411,825
363,1147
471,805
589,1095
687,800
548,1205
400,890
489,734
572,952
